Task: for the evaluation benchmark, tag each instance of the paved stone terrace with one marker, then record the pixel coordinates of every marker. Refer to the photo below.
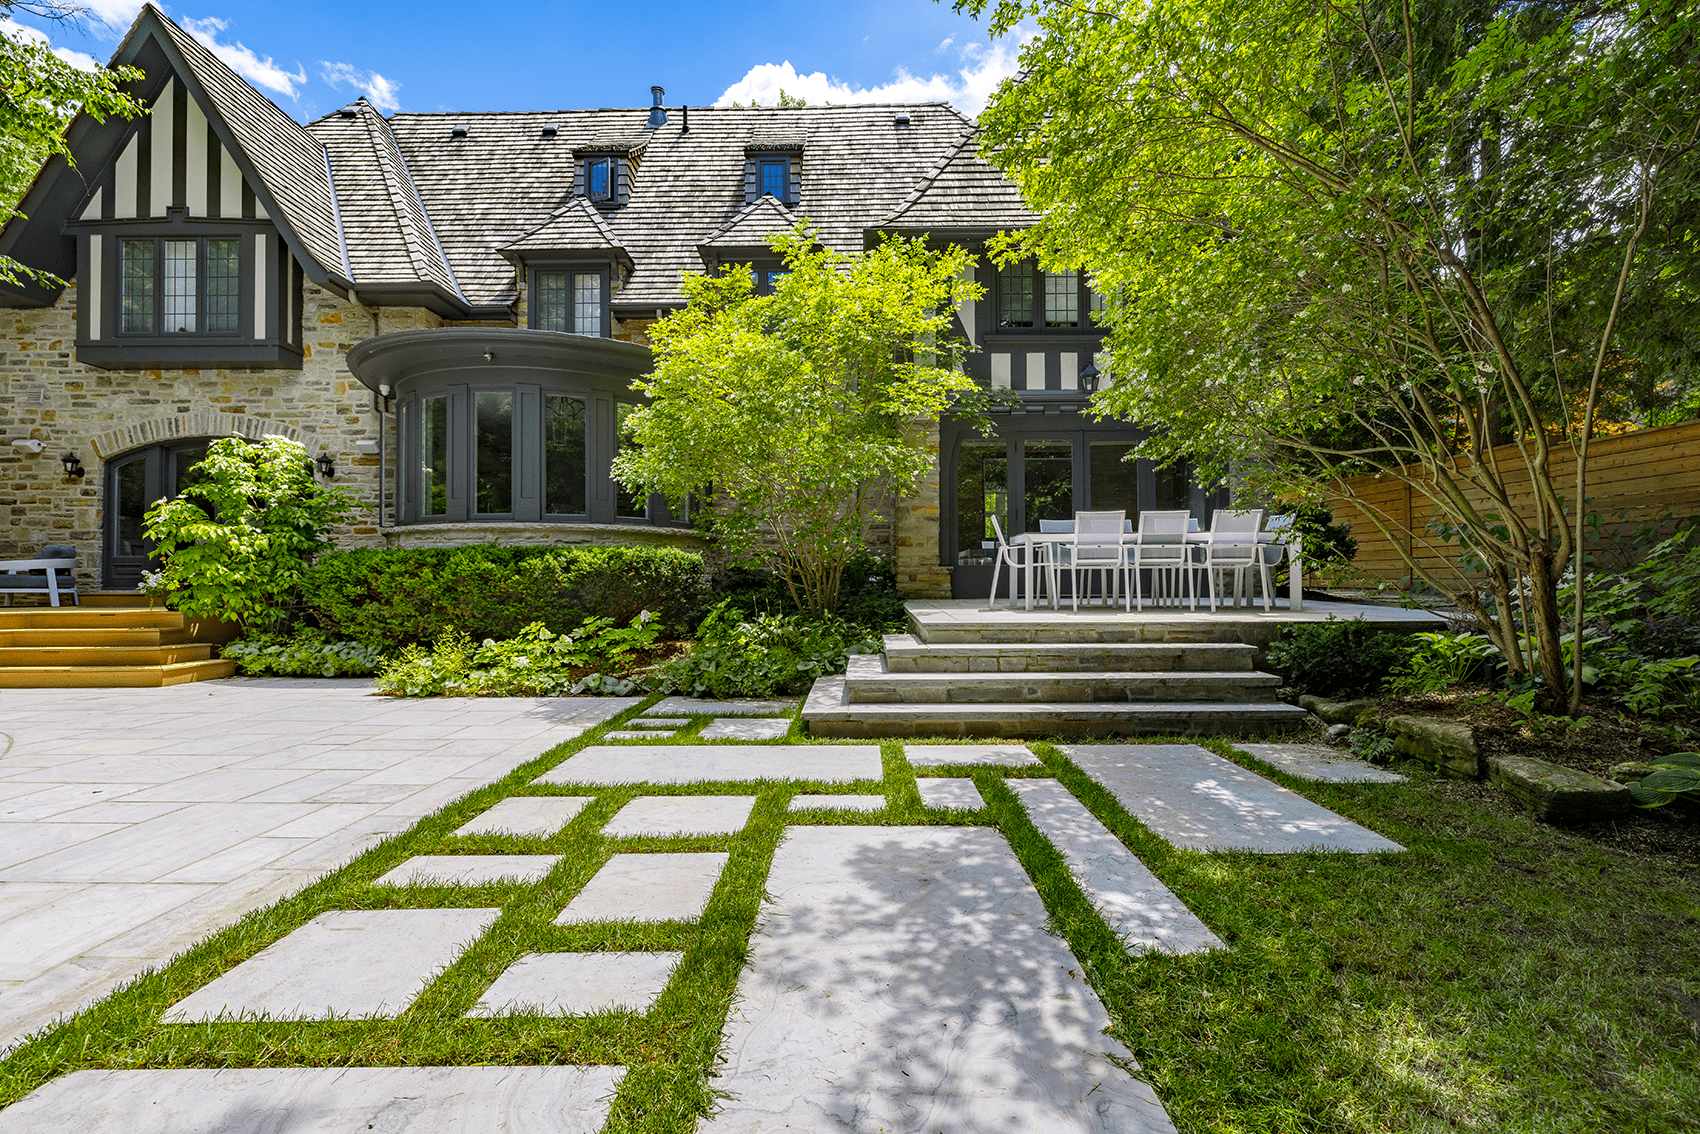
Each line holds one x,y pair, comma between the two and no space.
134,822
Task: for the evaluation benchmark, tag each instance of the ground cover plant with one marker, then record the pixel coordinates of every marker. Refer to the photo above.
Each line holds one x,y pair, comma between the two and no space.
1493,977
536,662
308,652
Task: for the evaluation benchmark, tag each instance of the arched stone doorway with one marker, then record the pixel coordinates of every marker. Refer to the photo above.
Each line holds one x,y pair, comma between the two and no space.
134,481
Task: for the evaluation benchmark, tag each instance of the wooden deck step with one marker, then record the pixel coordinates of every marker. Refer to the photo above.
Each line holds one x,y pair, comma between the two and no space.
93,636
113,676
103,656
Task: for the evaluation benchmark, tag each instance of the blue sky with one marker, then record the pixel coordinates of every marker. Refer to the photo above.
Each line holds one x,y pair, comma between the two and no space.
311,56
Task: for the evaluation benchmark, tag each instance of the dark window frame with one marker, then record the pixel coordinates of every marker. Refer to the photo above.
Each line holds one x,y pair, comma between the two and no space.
1037,325
244,287
757,163
610,194
570,268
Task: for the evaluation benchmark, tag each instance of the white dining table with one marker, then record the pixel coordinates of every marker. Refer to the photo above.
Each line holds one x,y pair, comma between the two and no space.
1039,543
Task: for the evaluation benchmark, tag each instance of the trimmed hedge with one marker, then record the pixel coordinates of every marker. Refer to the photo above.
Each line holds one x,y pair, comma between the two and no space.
392,597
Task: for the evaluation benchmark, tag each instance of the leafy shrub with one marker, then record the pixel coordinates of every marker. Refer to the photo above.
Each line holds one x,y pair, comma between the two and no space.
1336,658
867,594
1677,776
305,653
762,655
536,662
1441,660
391,598
237,542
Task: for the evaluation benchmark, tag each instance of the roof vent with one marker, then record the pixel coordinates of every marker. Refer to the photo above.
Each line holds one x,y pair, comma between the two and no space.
346,112
900,119
657,112
457,132
549,131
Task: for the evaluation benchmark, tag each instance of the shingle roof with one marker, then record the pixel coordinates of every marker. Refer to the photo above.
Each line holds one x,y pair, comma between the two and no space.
288,160
752,225
504,180
962,192
576,226
387,229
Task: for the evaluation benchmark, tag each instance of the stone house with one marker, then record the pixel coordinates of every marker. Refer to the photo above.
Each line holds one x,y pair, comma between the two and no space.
448,310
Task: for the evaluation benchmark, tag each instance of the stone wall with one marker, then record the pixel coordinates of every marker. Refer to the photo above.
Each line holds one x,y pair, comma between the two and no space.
915,533
542,535
47,395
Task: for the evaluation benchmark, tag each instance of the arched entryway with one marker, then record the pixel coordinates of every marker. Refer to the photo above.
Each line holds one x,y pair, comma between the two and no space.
134,481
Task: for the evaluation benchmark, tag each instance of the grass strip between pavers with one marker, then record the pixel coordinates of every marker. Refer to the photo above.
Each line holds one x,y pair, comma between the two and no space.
1498,975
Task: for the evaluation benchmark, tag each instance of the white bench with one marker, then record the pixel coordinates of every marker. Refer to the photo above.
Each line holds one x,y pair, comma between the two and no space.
15,579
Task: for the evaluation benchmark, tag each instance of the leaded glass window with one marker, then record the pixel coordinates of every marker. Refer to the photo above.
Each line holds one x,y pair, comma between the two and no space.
587,303
181,306
1015,295
224,285
549,306
1062,299
138,298
564,456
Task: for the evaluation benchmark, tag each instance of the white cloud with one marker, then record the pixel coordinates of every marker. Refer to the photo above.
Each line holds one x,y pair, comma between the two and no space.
117,14
379,91
261,71
78,59
983,68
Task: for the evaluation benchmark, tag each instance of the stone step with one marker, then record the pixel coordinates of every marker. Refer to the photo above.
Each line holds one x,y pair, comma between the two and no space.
62,636
828,713
1096,626
13,656
905,653
89,618
867,681
113,676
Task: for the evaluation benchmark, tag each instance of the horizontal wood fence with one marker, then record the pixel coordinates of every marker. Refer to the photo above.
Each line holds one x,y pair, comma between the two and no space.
1633,479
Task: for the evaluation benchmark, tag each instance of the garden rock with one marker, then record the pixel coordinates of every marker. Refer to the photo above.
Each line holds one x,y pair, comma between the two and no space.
1633,771
1337,712
1558,794
1337,733
1448,745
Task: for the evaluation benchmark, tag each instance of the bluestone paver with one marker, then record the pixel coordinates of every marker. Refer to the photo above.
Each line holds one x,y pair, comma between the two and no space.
634,734
1145,913
681,815
694,707
840,802
469,869
948,791
1320,763
901,979
758,728
659,722
647,887
536,816
718,763
344,962
577,984
1004,755
1195,799
320,1100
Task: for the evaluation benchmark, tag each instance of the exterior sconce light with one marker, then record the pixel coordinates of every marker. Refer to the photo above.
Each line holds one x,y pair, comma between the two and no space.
1089,379
73,467
327,468
489,356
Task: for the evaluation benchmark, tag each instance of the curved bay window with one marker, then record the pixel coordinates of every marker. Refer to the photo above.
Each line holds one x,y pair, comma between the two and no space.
499,425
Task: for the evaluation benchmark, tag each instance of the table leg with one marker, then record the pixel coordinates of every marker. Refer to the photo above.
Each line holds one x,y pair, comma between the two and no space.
1296,573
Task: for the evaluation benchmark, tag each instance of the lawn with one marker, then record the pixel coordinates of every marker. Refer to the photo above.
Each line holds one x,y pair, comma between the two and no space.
1499,975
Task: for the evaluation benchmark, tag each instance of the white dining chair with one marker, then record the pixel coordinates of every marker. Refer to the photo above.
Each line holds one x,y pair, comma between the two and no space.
1232,547
1097,548
1013,556
1162,550
1054,555
1271,552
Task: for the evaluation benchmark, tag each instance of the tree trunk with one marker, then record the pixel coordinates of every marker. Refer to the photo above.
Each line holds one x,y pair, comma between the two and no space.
1543,622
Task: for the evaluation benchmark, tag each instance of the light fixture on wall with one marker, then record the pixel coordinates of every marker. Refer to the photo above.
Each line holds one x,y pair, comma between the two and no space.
489,356
1089,379
73,467
28,444
327,467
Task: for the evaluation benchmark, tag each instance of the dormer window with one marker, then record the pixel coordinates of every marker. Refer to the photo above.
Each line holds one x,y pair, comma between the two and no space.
773,178
771,173
573,301
599,179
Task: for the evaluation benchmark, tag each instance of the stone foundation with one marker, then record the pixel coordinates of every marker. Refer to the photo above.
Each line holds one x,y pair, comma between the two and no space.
542,535
916,533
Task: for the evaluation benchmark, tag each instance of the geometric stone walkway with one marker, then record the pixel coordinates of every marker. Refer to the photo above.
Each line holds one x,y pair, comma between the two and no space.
321,1100
135,822
1195,799
647,887
537,816
941,791
902,979
621,764
577,984
1144,913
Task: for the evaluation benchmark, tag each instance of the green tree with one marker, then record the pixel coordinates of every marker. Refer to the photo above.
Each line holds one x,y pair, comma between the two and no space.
801,407
39,95
237,543
1373,237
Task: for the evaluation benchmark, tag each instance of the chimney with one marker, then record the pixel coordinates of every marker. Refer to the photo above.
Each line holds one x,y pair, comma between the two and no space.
657,112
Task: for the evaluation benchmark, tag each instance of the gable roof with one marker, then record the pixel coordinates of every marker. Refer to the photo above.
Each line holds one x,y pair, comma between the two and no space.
962,193
748,231
576,226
